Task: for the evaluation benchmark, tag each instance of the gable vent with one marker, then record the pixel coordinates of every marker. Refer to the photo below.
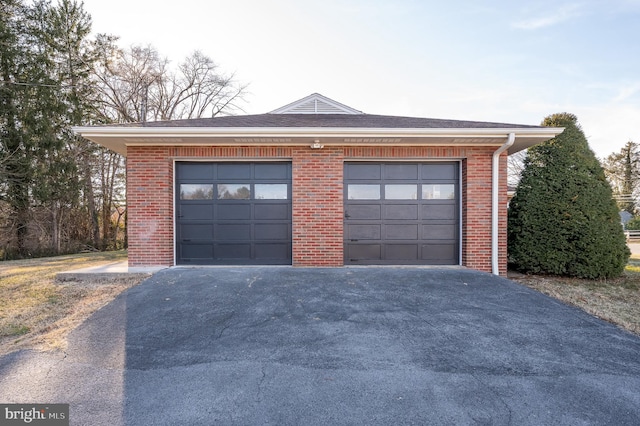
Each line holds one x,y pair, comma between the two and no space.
315,104
315,107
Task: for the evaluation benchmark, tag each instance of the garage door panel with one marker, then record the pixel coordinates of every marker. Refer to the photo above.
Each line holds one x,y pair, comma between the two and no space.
271,231
364,171
414,220
271,250
401,232
234,171
365,232
364,251
364,211
196,212
233,232
272,171
232,251
439,211
401,171
196,171
196,231
433,171
196,251
401,212
439,232
234,212
272,211
403,252
438,252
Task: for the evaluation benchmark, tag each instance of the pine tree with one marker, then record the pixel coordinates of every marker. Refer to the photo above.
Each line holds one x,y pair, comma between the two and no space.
18,56
562,218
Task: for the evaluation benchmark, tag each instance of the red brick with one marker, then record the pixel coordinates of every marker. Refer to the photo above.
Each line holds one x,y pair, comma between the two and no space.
317,221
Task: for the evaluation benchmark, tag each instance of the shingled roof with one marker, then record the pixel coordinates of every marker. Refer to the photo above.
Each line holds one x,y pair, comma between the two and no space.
319,120
356,121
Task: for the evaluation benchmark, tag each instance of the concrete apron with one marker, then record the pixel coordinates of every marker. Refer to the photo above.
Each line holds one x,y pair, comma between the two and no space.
106,272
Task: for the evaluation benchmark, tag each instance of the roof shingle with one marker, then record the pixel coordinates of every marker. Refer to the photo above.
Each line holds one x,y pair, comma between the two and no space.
328,121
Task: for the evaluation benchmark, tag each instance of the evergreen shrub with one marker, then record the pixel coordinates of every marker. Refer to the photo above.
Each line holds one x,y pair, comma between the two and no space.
563,219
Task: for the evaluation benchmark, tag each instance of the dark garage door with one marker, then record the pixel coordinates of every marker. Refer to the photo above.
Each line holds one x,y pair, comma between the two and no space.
402,213
233,213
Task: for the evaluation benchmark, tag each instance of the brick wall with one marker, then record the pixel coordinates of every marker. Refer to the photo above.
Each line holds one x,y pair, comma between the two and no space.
150,206
476,211
318,207
317,226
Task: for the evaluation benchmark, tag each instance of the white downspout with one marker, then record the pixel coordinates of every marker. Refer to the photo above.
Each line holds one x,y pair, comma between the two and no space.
495,206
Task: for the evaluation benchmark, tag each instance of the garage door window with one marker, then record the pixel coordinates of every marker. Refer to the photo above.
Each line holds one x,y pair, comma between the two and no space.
401,192
364,192
196,192
276,191
234,191
438,192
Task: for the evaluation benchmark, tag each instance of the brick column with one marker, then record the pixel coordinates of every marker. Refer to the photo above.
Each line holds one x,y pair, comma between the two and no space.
476,211
318,207
150,206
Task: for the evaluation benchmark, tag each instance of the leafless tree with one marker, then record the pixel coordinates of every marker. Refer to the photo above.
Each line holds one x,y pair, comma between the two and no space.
139,85
515,166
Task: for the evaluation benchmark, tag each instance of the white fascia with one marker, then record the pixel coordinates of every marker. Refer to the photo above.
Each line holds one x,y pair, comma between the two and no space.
176,132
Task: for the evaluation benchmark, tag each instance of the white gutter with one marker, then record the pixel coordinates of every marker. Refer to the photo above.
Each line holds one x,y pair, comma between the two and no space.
187,132
495,206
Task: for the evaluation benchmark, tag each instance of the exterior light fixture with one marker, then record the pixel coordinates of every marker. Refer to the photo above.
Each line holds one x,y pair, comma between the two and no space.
316,144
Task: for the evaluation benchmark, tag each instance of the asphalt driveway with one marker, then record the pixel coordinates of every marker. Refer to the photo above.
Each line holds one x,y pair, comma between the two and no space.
356,346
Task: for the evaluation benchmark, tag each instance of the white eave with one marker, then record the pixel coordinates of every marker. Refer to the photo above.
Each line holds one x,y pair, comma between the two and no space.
118,138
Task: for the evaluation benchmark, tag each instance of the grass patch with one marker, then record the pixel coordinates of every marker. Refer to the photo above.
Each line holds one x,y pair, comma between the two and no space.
616,300
38,313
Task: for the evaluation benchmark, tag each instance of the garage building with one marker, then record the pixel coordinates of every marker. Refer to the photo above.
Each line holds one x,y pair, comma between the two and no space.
317,183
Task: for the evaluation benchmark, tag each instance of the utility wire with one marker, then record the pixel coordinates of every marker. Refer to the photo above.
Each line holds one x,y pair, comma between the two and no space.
16,83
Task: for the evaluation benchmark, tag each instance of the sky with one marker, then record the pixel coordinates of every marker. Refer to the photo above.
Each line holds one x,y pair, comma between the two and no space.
502,61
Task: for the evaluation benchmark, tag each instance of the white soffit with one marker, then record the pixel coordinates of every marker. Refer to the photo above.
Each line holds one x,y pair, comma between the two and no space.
118,138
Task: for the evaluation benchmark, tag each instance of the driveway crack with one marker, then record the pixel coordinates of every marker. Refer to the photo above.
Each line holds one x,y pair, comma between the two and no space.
65,354
478,378
225,323
261,382
497,395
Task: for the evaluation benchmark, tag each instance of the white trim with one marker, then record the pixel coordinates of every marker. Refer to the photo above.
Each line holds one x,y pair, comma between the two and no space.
119,138
404,159
232,159
179,133
175,215
460,227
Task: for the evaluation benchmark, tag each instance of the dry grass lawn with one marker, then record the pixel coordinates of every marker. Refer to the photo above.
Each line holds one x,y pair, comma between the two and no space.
616,301
38,313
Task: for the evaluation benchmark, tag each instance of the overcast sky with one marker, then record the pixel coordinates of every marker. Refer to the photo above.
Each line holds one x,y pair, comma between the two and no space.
502,61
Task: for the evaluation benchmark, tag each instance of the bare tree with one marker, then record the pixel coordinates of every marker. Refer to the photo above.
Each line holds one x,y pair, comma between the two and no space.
515,166
623,173
138,85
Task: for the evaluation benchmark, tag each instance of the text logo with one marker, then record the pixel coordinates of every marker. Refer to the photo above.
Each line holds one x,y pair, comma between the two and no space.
34,414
